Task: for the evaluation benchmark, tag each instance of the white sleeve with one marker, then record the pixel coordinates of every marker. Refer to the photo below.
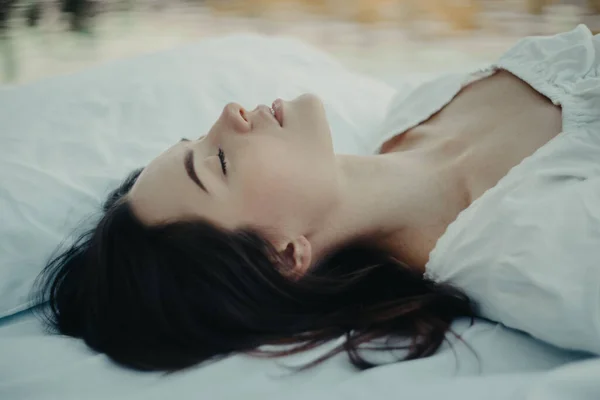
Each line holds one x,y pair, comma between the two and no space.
545,278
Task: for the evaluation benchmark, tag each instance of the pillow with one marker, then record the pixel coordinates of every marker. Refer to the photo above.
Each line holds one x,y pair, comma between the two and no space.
66,142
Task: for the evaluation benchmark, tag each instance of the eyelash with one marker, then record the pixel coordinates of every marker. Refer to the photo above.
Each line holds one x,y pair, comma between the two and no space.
221,155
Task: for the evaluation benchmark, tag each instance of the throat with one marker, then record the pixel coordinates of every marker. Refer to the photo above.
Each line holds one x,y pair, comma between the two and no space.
440,153
443,197
385,198
431,197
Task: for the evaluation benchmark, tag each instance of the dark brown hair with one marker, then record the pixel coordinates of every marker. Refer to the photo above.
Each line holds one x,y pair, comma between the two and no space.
169,297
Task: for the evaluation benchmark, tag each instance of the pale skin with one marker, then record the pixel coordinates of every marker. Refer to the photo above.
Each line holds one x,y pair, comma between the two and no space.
283,178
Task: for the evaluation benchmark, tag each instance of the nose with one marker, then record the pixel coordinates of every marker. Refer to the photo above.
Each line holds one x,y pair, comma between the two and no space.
234,116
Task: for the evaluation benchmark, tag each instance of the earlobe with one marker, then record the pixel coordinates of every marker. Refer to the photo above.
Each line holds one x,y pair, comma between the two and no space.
298,255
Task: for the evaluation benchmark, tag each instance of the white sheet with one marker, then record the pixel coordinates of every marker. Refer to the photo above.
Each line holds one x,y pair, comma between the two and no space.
35,365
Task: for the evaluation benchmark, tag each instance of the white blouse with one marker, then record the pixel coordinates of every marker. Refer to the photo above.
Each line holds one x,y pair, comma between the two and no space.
527,251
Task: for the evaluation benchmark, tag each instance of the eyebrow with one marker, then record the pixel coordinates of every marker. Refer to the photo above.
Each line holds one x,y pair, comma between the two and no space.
188,162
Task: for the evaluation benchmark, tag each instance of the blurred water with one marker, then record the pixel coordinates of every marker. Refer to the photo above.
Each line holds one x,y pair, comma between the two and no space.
384,43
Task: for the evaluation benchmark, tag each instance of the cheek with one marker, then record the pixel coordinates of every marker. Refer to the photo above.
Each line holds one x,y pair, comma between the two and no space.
268,189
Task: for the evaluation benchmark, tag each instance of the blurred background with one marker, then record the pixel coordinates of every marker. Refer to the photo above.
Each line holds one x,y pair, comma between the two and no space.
383,38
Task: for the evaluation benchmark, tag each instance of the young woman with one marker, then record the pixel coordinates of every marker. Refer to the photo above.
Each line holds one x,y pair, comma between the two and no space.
482,188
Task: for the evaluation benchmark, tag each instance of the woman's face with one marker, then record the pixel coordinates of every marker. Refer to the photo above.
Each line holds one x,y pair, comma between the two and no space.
253,169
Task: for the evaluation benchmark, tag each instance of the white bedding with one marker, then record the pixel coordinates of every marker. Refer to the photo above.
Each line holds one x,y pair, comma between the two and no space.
117,125
35,365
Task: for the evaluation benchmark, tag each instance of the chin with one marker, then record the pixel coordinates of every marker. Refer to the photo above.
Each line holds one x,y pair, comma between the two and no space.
309,100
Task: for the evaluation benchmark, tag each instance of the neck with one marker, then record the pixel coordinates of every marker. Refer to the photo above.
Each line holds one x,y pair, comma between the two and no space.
379,196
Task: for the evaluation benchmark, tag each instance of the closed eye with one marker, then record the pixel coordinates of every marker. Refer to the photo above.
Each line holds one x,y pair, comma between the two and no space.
221,155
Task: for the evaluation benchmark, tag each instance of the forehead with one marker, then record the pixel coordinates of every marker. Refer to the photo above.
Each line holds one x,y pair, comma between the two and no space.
163,191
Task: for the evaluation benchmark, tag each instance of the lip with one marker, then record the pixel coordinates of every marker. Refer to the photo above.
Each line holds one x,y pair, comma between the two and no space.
278,109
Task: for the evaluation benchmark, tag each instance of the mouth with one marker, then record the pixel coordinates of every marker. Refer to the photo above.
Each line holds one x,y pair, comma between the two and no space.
277,111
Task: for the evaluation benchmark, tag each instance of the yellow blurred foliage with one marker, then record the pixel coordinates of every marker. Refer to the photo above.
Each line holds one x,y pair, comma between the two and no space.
455,15
459,14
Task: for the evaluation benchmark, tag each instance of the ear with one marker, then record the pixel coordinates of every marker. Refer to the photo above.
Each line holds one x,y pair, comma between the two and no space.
298,254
